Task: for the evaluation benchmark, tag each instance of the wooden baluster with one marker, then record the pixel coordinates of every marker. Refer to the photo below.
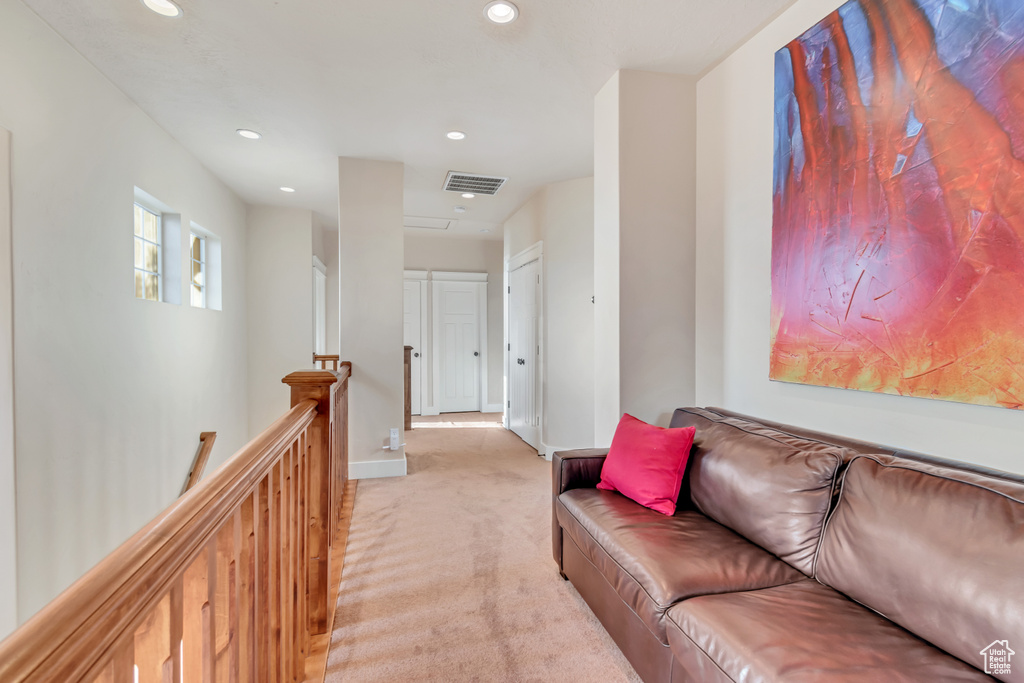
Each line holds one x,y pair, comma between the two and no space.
124,661
317,385
263,596
299,624
210,615
303,556
177,629
287,600
193,603
245,560
226,614
274,606
153,642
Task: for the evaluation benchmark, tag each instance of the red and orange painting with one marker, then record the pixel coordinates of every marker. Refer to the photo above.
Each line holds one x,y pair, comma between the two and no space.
898,224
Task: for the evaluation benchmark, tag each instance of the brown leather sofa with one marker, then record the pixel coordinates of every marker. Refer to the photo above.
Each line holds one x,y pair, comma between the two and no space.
800,556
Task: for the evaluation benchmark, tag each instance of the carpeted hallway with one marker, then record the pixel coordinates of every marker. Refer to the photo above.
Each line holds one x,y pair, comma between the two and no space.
448,573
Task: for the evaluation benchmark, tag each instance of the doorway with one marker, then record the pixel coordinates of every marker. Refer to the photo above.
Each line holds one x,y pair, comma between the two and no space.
460,341
524,345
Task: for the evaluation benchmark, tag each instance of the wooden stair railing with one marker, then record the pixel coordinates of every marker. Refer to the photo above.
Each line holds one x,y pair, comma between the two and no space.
227,584
323,360
206,440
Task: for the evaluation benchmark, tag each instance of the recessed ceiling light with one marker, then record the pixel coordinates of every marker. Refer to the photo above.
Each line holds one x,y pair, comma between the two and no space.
164,8
460,209
287,189
456,135
248,134
468,195
501,12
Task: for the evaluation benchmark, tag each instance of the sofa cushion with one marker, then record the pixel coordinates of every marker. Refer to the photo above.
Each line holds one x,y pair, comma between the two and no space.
774,491
936,550
646,463
653,560
802,631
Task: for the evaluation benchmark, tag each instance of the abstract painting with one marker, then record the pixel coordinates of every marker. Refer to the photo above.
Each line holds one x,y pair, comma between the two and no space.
898,219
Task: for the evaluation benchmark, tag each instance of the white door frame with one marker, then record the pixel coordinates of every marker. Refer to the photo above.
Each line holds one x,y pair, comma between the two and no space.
439,276
422,276
534,252
319,306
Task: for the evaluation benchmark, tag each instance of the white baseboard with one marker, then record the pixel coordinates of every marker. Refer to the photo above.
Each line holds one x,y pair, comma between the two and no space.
375,469
427,412
493,408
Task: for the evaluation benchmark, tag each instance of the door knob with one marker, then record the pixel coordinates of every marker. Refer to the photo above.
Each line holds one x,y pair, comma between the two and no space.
476,353
416,354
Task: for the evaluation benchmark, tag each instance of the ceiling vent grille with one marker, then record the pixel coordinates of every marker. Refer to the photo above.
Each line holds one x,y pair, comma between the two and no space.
470,182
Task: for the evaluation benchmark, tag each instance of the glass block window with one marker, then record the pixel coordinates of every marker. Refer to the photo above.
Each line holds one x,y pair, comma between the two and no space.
147,254
197,250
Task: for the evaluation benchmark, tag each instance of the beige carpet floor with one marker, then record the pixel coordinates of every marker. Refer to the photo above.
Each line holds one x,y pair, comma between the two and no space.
449,576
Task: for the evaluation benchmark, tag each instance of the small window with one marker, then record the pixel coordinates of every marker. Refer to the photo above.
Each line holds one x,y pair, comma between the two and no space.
197,249
147,254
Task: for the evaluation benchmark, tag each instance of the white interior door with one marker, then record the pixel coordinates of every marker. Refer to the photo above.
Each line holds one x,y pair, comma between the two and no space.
524,353
458,345
412,333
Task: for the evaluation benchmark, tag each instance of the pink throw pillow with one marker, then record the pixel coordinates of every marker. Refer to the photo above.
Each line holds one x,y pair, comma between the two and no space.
646,463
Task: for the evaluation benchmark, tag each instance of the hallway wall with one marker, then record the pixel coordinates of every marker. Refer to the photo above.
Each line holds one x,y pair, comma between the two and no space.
279,255
734,218
111,392
562,216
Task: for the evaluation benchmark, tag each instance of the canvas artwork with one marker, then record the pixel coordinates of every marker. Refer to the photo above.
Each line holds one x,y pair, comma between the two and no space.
898,225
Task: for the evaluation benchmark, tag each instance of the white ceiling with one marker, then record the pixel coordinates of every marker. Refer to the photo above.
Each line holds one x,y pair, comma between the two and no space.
385,79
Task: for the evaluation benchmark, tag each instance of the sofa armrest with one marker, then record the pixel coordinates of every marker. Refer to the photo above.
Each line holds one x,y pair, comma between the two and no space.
572,470
579,469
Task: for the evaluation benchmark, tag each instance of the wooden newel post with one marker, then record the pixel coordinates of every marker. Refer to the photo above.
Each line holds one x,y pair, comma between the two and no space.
317,385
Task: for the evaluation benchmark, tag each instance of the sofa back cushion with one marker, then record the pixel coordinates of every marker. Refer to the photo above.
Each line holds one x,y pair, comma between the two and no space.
775,492
937,550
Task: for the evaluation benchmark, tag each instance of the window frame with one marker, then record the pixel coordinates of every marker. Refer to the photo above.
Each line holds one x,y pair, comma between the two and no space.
139,235
203,261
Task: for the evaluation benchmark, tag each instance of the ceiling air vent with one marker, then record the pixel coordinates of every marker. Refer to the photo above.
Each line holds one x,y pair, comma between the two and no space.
427,223
470,182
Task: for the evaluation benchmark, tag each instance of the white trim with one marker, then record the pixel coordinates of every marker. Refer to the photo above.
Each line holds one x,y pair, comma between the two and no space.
534,252
424,338
319,265
416,274
457,277
431,411
493,408
481,303
531,253
377,469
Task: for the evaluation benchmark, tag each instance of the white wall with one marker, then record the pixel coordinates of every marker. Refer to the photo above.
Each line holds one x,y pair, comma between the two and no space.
734,215
372,263
279,296
111,392
8,508
644,169
562,216
333,291
607,405
465,255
